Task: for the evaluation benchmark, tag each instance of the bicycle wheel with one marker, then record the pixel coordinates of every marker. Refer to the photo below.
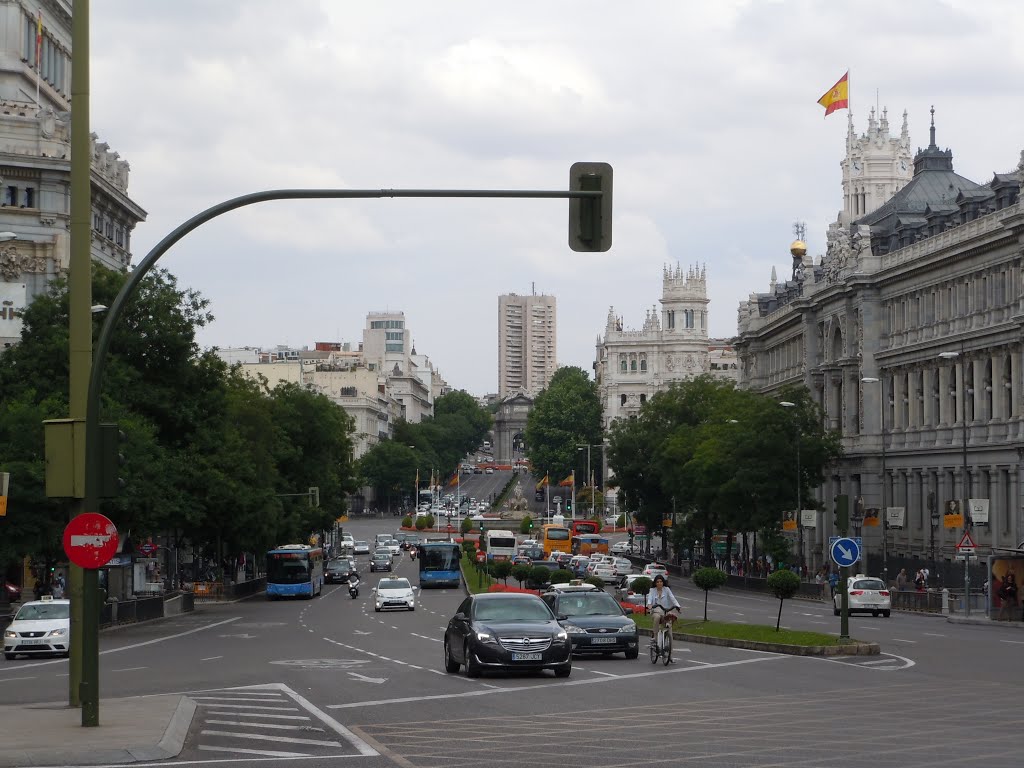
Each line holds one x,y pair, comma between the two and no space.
654,649
666,651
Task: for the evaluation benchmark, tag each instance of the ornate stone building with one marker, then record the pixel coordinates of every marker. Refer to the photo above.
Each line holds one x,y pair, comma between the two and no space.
35,166
672,345
908,334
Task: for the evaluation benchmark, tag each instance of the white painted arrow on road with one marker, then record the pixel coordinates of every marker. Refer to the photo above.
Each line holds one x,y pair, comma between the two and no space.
365,679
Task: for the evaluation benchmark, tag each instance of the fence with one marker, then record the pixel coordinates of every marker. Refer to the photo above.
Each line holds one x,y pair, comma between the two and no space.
215,591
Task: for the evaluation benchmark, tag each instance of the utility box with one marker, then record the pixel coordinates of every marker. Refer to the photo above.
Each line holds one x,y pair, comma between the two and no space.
65,458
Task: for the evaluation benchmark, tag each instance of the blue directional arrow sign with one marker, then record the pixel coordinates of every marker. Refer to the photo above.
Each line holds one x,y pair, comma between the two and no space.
845,551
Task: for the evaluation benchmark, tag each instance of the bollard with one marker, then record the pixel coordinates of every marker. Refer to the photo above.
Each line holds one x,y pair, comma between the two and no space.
945,601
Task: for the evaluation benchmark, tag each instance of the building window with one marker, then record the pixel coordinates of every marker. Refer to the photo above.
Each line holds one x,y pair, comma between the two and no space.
643,398
688,318
670,319
119,236
622,399
30,197
11,196
97,222
632,365
622,364
394,347
643,365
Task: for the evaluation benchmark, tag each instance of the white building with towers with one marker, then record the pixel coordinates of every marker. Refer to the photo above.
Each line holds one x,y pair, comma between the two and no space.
671,345
876,166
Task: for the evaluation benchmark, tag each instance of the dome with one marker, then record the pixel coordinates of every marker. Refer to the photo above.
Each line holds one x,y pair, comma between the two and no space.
798,248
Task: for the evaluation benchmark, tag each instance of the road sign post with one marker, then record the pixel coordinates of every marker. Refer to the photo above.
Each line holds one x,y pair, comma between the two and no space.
964,551
843,524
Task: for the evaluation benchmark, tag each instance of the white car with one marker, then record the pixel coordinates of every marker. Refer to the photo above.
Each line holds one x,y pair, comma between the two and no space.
40,626
361,548
392,592
620,546
867,595
622,566
605,572
654,569
393,547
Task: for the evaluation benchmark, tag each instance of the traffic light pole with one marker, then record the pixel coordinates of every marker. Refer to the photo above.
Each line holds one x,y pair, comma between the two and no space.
843,523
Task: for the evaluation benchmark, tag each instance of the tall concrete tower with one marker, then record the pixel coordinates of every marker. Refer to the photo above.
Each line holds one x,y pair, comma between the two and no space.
527,349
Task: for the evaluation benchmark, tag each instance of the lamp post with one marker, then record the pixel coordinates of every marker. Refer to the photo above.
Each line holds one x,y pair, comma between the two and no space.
962,391
799,522
881,439
590,475
933,516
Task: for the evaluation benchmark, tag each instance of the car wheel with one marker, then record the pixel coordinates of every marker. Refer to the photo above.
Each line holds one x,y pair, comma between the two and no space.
376,609
886,614
875,614
412,607
835,611
472,665
450,664
10,656
633,653
563,671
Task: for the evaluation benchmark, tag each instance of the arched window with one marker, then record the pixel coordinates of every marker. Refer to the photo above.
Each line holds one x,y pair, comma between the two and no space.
632,365
622,399
643,365
643,399
622,363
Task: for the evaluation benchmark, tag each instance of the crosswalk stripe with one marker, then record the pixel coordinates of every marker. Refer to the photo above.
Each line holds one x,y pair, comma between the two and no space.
275,726
251,706
260,714
262,752
263,737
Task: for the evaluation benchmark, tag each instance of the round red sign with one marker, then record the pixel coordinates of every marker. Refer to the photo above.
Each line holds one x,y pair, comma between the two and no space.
481,557
90,540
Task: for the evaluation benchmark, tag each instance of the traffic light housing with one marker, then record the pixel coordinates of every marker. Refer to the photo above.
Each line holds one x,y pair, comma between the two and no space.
842,503
590,218
111,460
568,505
531,523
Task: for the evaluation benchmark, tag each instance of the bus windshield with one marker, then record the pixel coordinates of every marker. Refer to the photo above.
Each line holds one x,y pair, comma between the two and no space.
439,558
556,534
290,568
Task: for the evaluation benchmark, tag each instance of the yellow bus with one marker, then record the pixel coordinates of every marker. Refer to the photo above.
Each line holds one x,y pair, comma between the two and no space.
555,538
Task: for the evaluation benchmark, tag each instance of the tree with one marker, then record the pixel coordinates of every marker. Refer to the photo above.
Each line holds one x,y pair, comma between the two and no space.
783,584
421,522
561,576
539,576
502,569
466,525
708,579
389,468
642,585
526,524
565,415
521,573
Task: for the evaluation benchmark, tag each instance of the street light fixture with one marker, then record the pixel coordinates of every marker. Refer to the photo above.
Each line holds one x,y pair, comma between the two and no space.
590,476
881,439
962,391
799,525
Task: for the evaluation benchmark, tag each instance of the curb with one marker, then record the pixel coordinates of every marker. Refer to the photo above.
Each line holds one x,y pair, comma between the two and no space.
850,649
174,737
986,622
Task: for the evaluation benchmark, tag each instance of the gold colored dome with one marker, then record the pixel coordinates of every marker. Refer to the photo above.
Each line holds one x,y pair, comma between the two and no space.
798,248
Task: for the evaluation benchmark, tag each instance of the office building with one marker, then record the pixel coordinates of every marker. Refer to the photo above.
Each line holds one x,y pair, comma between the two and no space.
527,348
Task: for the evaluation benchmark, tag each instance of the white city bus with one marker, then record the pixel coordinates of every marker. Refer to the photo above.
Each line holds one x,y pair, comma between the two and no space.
501,545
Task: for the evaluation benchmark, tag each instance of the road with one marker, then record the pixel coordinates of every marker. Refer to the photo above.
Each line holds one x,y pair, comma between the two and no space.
329,681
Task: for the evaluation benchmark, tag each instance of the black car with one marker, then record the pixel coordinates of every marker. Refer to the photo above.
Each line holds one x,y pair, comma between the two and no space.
338,571
562,558
380,561
506,631
594,621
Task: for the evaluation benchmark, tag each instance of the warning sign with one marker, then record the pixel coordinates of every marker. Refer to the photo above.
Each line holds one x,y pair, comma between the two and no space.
966,545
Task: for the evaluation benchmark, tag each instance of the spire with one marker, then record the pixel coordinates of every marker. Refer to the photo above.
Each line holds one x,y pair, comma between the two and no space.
931,131
775,278
905,132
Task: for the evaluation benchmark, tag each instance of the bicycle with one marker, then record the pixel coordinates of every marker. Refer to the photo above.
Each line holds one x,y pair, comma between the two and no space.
661,644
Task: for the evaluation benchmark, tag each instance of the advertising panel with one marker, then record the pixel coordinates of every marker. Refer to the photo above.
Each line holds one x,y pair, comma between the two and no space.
953,514
809,518
896,516
979,511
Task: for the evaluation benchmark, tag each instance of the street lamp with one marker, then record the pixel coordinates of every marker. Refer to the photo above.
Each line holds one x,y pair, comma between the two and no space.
962,391
881,439
590,476
933,515
799,525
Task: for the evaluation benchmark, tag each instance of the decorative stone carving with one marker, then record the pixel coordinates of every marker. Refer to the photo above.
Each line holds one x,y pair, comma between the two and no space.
518,503
13,264
670,363
838,254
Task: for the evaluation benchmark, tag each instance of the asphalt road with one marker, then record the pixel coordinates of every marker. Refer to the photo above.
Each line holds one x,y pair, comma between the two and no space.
329,681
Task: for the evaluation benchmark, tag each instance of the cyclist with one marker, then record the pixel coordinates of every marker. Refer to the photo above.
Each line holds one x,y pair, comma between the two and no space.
661,603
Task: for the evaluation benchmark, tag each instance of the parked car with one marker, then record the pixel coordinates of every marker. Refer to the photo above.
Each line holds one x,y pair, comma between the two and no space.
506,631
39,626
393,592
867,595
594,621
381,561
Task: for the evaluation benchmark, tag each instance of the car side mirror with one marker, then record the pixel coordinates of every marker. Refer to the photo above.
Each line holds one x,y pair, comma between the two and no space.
562,617
415,589
374,589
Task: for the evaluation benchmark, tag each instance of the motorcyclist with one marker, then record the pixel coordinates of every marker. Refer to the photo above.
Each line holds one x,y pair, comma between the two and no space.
353,584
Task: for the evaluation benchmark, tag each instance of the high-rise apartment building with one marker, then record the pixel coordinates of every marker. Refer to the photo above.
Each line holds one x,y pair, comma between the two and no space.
526,343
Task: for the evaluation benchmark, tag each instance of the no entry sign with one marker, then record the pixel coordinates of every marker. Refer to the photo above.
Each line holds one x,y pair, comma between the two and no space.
90,540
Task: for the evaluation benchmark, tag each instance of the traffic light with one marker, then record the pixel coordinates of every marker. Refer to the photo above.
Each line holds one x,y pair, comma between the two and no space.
483,527
842,503
568,506
590,218
531,523
111,461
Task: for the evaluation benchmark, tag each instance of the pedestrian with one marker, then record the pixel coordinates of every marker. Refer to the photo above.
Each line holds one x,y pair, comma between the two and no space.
819,579
919,581
1008,597
926,573
901,580
833,583
58,587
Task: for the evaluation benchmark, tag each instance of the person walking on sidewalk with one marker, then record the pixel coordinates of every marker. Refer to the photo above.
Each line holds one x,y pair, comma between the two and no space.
1008,597
901,580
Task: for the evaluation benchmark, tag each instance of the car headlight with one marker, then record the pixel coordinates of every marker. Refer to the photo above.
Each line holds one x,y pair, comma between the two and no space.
57,633
630,627
572,629
10,633
485,637
562,636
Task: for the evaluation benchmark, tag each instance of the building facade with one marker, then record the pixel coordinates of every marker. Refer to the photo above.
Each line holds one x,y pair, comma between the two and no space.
672,345
907,332
35,165
527,344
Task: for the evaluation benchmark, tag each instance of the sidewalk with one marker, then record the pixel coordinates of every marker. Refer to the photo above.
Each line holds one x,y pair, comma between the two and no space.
131,730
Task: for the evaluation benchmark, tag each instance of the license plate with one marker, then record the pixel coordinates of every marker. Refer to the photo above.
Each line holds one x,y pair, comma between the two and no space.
602,640
33,641
526,657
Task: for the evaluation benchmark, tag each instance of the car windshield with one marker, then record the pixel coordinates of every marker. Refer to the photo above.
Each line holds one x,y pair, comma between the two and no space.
361,544
511,610
43,611
337,565
587,604
393,584
868,584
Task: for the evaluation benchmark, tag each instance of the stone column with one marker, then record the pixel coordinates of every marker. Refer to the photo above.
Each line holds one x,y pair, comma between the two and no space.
899,391
944,417
927,387
1015,380
999,393
978,373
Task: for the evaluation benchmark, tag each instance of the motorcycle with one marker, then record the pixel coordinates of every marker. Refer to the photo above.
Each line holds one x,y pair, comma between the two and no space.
353,590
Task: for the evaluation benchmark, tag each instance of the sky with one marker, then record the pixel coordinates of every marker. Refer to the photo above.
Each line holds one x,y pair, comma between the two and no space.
707,111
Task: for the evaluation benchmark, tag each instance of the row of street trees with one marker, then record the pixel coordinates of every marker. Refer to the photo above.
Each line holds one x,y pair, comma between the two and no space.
210,454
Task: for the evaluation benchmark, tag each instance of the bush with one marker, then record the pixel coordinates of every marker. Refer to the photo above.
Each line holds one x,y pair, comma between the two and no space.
597,581
561,576
502,569
642,585
469,547
430,521
526,525
466,526
521,573
599,522
708,579
620,521
783,584
539,575
421,523
407,521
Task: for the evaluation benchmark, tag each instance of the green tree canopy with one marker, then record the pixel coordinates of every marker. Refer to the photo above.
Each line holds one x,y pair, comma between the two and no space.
565,415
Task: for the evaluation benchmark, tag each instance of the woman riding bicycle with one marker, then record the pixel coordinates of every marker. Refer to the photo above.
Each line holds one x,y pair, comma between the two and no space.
662,605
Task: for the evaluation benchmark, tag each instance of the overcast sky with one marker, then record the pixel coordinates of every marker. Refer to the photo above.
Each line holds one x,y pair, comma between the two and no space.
706,110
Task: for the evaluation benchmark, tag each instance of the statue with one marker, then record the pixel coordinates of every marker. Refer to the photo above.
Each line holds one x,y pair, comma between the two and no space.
518,503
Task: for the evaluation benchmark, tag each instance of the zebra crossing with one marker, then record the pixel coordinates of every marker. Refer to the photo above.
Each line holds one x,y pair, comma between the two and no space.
269,721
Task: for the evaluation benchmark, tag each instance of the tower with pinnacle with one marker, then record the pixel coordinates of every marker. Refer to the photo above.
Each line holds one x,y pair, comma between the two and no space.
876,166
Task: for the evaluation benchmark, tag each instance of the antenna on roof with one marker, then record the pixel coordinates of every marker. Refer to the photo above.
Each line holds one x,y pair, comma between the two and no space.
799,229
931,131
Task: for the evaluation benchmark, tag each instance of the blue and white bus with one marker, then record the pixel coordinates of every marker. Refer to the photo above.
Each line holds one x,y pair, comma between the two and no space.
439,564
295,570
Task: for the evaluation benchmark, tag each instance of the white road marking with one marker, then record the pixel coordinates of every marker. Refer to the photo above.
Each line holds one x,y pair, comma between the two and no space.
598,672
934,634
251,706
264,737
212,658
276,726
264,699
262,752
259,714
1014,642
10,679
128,669
901,640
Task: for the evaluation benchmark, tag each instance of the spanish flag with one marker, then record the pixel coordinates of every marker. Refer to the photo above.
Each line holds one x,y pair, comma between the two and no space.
544,483
838,96
569,481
